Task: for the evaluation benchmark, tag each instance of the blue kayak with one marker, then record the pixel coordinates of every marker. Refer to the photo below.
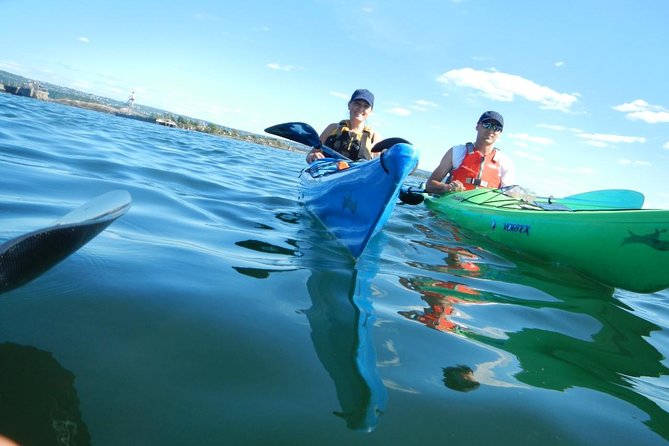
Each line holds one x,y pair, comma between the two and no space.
353,200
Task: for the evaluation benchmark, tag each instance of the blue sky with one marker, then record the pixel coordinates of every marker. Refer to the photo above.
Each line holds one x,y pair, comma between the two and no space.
581,83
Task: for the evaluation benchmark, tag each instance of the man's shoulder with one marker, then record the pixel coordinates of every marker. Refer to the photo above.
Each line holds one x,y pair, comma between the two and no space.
460,148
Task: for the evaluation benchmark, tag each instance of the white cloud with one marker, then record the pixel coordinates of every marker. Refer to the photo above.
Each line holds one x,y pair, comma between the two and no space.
643,111
559,64
603,140
423,105
279,67
552,127
83,40
339,95
541,140
206,17
666,145
399,111
529,156
598,144
576,170
505,87
11,66
626,162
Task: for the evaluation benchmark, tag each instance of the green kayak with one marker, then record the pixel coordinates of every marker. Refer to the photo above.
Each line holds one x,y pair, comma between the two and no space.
624,248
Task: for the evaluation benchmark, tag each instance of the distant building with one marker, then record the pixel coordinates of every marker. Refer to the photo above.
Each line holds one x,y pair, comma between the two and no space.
29,89
166,122
131,100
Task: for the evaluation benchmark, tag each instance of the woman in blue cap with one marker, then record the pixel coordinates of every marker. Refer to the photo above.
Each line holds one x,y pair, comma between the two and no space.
351,137
480,164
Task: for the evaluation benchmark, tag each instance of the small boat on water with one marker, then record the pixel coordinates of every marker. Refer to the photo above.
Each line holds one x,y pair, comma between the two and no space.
352,199
602,234
166,122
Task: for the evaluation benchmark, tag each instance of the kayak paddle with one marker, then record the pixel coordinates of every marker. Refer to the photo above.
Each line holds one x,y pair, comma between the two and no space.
600,199
410,196
387,143
304,134
613,198
25,257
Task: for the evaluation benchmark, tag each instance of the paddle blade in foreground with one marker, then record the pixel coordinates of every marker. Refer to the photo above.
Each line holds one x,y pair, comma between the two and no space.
25,257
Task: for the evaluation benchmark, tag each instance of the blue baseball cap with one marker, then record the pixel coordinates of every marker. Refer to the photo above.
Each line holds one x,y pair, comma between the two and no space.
364,95
492,116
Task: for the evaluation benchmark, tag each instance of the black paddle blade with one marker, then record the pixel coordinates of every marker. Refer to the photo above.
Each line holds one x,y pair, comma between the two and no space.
388,143
25,257
407,196
296,131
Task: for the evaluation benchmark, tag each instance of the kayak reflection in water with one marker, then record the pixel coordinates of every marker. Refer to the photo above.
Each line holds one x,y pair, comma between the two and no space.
341,318
602,345
461,261
441,297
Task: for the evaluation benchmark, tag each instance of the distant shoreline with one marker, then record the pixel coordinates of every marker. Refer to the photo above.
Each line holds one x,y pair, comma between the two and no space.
211,128
169,119
72,98
269,141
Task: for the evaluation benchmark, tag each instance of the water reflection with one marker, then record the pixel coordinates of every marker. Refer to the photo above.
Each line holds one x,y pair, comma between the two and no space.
460,378
341,319
564,333
441,298
38,402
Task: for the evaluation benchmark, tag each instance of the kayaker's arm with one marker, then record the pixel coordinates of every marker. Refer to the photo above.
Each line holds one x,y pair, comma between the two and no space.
316,154
435,184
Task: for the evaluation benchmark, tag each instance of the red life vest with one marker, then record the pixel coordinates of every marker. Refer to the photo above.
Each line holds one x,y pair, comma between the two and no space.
478,170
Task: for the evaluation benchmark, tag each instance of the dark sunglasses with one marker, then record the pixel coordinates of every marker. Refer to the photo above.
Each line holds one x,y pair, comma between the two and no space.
491,126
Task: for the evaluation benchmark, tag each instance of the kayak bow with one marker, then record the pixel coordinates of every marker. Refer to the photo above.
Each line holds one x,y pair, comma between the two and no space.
355,202
352,199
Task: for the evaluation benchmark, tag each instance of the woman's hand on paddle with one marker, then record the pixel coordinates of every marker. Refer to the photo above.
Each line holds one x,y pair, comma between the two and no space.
314,155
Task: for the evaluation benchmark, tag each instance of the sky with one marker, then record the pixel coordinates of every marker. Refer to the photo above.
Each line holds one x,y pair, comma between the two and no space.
582,84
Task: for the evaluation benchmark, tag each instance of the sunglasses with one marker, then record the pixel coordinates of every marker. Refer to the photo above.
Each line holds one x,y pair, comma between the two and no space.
491,126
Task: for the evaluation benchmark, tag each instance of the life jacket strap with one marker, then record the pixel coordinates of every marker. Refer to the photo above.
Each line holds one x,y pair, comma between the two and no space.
477,182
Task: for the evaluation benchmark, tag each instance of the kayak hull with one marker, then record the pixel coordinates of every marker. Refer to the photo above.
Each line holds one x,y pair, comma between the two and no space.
626,249
354,203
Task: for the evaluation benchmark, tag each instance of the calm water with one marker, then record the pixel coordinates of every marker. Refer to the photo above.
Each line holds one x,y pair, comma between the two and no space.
218,312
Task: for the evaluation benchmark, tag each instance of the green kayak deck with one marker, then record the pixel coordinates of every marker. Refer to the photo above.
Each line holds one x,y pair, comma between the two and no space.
623,248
